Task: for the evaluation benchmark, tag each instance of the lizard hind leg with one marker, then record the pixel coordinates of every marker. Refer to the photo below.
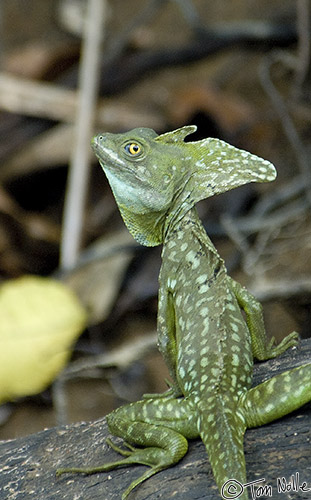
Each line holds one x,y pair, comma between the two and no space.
165,446
157,428
153,457
278,396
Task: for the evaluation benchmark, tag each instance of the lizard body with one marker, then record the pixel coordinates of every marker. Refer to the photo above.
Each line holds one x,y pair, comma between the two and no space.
203,336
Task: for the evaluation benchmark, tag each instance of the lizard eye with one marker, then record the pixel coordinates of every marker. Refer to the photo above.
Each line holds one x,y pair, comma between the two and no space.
133,148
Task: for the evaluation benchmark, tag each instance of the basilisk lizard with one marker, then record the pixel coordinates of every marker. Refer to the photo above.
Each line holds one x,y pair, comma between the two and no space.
207,344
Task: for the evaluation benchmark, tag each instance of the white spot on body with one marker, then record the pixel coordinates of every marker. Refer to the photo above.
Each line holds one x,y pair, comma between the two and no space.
234,327
204,362
235,360
201,279
204,312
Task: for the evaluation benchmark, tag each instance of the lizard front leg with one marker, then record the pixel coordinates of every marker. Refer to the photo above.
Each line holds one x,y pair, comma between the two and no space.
167,340
262,348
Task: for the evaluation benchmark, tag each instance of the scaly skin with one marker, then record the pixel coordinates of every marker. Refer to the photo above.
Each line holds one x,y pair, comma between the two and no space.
207,344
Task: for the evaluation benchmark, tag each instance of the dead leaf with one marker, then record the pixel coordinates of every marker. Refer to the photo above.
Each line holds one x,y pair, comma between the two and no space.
40,318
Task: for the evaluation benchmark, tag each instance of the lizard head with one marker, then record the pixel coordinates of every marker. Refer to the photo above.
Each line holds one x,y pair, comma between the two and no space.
155,178
138,172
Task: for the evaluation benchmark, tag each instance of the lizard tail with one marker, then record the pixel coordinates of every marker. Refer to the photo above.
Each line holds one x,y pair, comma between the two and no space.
221,428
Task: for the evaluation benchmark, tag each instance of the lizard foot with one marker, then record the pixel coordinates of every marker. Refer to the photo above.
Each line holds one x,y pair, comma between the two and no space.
156,458
290,340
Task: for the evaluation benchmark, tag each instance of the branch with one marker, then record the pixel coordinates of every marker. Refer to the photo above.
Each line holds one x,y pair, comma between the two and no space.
28,464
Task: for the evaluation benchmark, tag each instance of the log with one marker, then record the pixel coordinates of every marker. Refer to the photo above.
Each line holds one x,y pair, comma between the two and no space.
279,452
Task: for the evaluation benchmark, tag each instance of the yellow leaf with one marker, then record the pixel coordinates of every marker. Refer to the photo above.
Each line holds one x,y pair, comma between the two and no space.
39,320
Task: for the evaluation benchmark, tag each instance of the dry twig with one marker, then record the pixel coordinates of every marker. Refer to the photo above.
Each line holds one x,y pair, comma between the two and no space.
79,168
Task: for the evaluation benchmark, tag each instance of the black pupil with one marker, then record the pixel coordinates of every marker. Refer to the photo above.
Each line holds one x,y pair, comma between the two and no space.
135,148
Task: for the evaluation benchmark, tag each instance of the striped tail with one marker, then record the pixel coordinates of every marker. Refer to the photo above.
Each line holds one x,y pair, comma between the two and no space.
222,427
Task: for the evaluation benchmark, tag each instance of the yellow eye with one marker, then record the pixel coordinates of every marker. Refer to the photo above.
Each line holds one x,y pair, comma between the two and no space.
133,148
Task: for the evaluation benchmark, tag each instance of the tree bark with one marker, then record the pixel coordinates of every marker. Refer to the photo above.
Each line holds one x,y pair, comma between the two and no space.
278,450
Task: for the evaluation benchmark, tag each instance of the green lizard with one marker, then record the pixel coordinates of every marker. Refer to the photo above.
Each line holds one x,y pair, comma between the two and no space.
207,344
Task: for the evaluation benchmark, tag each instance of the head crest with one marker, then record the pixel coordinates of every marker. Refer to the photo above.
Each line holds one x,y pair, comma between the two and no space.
177,135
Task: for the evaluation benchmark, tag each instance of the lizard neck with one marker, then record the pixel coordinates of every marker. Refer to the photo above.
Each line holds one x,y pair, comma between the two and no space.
184,210
178,221
183,206
188,226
